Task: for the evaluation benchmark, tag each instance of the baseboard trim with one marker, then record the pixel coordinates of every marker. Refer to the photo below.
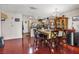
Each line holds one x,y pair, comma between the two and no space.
12,38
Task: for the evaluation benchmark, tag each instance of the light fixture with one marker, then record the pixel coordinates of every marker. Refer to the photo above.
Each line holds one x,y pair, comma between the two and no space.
56,12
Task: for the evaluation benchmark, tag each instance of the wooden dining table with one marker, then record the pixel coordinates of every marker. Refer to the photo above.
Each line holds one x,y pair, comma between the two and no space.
45,32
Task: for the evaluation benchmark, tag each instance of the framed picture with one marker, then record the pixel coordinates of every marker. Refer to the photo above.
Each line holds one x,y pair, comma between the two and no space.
2,19
76,18
17,19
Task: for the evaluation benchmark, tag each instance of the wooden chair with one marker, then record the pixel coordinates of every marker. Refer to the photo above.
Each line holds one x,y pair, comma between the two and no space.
36,40
39,38
59,39
53,39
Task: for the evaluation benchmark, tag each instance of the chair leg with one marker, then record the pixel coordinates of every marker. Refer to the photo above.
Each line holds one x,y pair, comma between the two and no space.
53,43
35,43
52,46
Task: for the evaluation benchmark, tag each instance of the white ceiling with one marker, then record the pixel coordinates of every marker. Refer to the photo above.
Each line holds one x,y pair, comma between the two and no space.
41,10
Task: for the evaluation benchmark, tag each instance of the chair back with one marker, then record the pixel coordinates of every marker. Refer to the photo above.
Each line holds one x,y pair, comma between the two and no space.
60,33
54,34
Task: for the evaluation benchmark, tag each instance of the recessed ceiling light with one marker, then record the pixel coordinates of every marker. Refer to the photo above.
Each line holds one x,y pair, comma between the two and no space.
33,8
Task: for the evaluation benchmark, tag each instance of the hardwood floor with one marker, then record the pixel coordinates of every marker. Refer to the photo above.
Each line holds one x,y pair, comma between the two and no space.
25,46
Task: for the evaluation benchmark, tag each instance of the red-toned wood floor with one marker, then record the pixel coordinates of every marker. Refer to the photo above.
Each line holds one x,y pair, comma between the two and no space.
25,46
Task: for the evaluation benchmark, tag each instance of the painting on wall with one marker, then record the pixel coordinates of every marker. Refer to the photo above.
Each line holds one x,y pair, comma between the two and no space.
76,18
2,19
17,19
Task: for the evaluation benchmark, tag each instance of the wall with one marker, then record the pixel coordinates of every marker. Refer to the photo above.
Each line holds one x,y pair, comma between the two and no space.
76,25
0,24
71,14
69,22
10,28
25,24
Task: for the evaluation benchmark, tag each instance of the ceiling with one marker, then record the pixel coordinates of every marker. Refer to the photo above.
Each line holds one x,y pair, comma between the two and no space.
38,10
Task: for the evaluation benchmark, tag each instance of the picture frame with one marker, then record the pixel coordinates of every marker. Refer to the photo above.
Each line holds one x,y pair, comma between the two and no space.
75,18
17,19
2,19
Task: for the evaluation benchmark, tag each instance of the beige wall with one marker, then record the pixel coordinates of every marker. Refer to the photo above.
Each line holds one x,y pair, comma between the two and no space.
0,23
72,14
11,29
